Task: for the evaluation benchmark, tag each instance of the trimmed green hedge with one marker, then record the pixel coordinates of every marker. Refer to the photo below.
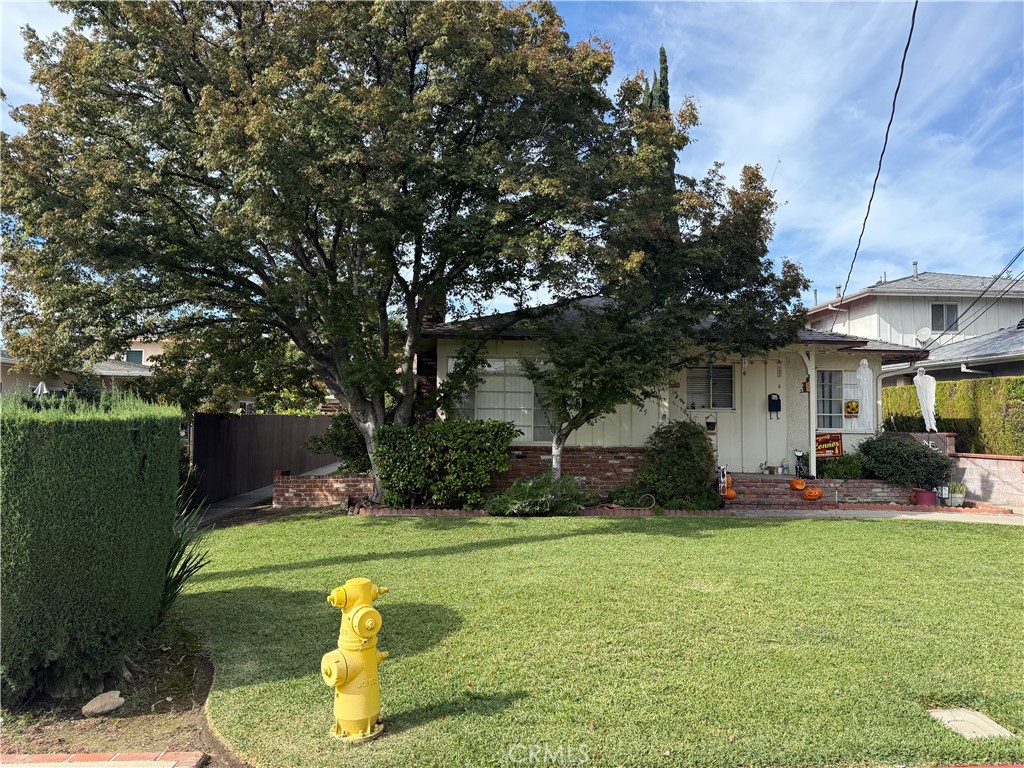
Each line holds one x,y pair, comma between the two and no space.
89,503
986,414
447,463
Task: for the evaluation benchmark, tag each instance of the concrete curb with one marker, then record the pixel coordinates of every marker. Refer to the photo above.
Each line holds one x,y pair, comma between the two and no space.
124,759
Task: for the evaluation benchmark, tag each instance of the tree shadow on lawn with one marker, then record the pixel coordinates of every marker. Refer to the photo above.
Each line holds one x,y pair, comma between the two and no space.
469,703
681,527
265,634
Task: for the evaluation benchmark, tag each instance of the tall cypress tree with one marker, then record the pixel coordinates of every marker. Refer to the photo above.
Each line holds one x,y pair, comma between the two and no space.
663,66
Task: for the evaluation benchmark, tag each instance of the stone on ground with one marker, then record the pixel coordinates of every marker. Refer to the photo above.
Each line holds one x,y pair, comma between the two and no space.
102,704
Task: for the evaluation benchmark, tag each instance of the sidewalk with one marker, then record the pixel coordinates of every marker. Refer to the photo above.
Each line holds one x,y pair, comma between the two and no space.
227,506
880,514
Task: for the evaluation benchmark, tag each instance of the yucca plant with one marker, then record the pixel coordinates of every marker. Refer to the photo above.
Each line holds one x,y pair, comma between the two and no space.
187,556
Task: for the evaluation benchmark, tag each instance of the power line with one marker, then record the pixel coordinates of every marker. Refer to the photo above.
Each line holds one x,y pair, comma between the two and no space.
963,315
1013,283
878,171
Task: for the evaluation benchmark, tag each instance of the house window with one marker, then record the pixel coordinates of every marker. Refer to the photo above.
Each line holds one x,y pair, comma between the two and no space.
133,356
834,389
945,317
507,394
710,386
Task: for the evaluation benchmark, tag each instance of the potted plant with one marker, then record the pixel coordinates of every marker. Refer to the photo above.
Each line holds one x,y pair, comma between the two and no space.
957,491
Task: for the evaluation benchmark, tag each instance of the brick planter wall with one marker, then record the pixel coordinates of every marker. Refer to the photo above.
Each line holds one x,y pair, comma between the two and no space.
600,469
319,491
773,491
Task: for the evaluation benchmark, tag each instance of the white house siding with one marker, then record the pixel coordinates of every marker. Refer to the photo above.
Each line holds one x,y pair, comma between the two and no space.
745,436
900,317
23,382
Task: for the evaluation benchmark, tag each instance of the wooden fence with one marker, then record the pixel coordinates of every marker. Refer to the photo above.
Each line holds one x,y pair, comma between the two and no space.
237,454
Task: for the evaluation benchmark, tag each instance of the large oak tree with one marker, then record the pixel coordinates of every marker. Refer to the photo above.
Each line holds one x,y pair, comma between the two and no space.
325,171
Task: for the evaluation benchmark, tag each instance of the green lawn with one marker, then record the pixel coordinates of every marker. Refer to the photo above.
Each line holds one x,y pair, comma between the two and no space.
679,641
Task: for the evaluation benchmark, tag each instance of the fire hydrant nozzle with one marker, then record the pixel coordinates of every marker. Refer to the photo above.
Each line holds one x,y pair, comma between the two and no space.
352,669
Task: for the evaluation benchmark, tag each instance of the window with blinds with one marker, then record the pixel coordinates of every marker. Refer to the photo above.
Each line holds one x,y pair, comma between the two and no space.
506,394
710,386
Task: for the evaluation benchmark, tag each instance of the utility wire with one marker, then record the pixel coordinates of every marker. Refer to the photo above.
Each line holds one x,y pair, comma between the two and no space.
963,315
878,172
1013,283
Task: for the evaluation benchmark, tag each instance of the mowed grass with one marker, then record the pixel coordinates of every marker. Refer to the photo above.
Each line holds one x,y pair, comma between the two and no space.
651,642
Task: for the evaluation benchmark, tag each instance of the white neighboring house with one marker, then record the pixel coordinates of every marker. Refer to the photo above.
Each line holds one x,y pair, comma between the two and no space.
929,310
111,373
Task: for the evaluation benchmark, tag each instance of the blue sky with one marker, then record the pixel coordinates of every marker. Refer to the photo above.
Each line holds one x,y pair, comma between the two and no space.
804,89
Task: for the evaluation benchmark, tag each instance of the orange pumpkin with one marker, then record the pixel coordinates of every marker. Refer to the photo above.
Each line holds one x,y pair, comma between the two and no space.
728,481
729,495
813,493
797,484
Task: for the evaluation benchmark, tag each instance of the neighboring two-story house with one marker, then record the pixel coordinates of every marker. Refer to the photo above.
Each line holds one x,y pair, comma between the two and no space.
930,310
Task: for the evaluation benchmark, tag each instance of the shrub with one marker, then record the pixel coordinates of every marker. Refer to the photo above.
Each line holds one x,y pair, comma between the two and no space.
187,556
679,465
539,496
344,440
849,466
986,414
901,460
89,506
446,463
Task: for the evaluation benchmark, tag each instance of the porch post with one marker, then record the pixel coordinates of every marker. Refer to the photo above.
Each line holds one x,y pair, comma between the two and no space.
812,412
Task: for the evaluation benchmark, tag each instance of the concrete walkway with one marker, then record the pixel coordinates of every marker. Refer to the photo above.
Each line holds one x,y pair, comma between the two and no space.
880,514
227,506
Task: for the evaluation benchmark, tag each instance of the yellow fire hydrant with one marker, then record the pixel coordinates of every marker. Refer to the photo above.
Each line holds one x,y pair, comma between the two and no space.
352,669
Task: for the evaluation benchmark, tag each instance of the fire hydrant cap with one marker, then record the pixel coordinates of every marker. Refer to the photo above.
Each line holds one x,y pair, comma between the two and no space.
366,621
334,668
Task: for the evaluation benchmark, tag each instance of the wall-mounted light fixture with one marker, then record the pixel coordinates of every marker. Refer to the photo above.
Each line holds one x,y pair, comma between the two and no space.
711,422
806,386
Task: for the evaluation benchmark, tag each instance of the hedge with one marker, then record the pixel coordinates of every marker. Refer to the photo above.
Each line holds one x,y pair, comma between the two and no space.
447,463
987,415
89,504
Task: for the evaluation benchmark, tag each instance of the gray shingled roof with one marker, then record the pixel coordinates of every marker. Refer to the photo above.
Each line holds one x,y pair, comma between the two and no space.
506,329
1004,343
932,284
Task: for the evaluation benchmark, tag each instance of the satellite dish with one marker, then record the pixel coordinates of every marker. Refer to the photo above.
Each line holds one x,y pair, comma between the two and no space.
923,334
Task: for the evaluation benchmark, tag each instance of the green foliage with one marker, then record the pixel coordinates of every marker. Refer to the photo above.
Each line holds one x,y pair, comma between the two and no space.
901,460
987,415
89,506
447,463
849,466
328,171
342,439
187,556
955,487
679,466
539,496
211,369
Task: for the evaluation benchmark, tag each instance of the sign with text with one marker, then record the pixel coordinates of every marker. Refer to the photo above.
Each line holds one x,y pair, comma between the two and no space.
828,446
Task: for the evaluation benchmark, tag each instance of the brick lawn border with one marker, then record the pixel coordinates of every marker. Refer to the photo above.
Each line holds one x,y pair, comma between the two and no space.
182,759
725,511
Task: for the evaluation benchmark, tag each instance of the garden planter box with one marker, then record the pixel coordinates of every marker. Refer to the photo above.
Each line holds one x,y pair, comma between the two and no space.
923,498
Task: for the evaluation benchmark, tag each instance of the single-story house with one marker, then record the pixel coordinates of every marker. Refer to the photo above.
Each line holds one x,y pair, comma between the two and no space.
111,373
825,396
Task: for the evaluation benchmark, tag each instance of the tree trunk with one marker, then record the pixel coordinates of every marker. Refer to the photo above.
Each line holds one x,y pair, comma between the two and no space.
558,441
367,428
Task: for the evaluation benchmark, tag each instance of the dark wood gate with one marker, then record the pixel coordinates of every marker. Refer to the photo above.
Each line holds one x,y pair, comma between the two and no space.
237,454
